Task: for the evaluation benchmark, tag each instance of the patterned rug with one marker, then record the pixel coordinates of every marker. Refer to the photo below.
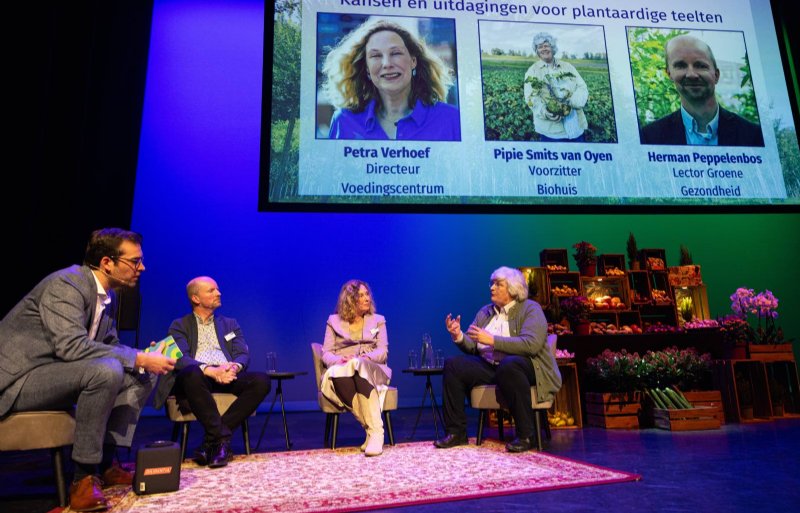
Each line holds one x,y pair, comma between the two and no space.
344,480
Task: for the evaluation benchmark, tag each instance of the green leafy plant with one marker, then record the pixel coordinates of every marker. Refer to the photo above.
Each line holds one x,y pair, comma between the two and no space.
632,250
686,257
613,371
620,371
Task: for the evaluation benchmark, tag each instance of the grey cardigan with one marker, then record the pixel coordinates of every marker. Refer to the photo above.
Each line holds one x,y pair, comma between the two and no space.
527,327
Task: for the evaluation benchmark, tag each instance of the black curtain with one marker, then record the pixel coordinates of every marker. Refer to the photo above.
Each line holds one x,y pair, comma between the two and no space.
77,70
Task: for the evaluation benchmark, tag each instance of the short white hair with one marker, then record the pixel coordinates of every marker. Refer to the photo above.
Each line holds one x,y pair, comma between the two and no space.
517,284
542,38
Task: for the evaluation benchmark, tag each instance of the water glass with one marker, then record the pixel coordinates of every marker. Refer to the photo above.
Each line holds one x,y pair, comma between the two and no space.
272,362
413,360
439,359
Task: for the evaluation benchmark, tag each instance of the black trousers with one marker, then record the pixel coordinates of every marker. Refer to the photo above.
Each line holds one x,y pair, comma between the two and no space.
514,377
192,387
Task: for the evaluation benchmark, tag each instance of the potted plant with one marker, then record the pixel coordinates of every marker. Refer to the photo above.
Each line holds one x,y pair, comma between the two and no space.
614,400
686,257
577,309
633,253
585,257
765,340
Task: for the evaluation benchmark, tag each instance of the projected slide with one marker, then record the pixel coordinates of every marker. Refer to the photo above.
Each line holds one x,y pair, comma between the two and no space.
453,102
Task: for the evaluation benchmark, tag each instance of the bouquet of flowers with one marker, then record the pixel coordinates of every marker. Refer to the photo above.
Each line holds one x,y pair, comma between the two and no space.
576,309
764,308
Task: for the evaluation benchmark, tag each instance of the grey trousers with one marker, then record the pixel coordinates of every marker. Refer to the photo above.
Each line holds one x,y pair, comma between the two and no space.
106,398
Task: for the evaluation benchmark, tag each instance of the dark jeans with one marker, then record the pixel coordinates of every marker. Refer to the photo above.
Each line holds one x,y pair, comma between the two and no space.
514,377
195,389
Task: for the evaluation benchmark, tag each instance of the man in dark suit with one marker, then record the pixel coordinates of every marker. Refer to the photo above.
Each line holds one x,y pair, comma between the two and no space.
691,66
59,349
215,359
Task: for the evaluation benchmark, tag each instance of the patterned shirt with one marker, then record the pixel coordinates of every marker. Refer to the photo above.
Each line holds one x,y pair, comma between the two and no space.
208,348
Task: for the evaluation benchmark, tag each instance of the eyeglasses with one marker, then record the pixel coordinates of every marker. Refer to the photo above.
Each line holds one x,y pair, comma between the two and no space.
135,263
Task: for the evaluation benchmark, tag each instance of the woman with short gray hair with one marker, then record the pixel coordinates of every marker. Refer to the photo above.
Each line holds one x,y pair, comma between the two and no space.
556,94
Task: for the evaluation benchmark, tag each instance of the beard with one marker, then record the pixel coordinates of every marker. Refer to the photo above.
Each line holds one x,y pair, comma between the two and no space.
696,90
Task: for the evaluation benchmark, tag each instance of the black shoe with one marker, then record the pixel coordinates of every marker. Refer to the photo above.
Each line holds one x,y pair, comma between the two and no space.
221,455
202,454
519,445
450,441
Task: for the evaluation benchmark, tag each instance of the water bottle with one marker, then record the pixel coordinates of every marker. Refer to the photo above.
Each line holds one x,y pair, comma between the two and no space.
426,356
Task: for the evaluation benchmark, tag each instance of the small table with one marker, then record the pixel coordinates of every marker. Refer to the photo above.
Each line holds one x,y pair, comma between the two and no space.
437,415
279,376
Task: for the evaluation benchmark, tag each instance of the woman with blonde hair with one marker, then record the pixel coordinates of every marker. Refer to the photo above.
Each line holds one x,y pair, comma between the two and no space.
386,84
355,353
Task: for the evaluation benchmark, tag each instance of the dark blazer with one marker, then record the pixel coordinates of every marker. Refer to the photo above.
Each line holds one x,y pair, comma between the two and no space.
51,324
527,329
184,331
734,130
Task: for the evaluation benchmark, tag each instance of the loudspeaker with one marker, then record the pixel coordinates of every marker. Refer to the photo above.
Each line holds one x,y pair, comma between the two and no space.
158,468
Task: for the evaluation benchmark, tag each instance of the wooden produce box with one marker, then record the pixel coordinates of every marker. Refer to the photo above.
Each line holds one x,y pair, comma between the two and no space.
708,398
690,419
653,259
613,411
564,284
685,276
554,257
610,262
568,398
602,290
538,288
771,352
639,287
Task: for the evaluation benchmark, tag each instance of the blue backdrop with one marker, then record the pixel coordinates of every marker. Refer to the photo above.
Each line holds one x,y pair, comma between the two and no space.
280,273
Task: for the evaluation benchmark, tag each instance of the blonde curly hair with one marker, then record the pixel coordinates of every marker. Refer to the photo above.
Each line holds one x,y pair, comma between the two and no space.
347,85
348,299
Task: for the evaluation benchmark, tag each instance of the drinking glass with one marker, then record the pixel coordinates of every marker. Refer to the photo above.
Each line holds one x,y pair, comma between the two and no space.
439,358
272,362
413,360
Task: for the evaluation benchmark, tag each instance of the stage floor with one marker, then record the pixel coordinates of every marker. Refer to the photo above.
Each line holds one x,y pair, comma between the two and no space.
742,467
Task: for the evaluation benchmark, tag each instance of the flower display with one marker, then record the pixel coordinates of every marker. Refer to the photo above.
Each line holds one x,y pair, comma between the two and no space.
576,309
585,254
621,371
764,307
614,371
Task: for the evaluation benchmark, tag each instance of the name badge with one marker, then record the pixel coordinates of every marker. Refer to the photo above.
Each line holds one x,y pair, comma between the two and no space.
230,336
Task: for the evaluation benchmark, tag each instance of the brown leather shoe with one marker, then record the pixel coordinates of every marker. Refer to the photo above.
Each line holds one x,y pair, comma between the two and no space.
86,495
116,475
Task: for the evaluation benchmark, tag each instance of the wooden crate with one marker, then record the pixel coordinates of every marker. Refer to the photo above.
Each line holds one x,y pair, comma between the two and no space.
613,411
709,398
557,257
568,398
737,380
770,352
690,419
639,287
608,261
538,288
783,374
658,253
